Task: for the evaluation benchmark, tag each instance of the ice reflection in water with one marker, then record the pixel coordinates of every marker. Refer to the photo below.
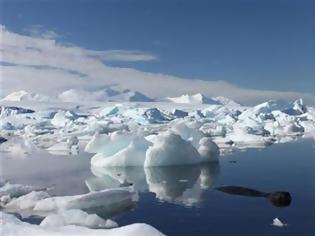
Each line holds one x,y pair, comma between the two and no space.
181,185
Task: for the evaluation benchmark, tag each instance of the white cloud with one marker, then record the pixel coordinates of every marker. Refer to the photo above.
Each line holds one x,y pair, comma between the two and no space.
123,55
41,32
47,66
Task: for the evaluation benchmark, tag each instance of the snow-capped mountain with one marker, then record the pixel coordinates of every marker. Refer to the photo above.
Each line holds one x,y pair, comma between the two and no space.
103,95
199,98
226,101
26,96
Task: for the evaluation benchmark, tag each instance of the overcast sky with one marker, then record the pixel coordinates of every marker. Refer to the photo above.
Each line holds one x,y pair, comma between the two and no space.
247,50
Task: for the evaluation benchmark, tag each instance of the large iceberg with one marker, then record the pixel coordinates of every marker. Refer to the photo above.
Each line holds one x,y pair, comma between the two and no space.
170,149
165,149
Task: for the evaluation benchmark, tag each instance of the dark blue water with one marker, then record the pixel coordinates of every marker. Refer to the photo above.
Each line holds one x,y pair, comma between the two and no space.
283,167
184,201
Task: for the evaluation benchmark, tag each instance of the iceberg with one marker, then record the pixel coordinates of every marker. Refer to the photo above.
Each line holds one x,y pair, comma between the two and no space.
170,149
132,155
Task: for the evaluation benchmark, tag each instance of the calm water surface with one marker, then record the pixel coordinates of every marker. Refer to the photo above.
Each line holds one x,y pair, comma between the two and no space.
183,200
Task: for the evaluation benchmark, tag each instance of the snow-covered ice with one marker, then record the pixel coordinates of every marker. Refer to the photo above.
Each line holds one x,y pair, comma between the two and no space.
133,133
77,217
12,226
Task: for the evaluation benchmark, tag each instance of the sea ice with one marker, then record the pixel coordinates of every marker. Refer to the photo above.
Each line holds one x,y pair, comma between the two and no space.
105,199
11,226
77,217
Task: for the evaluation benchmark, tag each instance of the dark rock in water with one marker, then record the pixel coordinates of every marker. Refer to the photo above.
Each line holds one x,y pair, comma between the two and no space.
237,190
278,199
2,140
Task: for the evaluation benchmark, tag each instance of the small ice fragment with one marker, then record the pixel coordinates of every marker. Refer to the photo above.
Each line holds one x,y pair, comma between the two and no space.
278,223
183,180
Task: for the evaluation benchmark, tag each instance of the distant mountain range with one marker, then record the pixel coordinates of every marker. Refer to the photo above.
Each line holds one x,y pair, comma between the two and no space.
22,95
114,95
103,95
199,98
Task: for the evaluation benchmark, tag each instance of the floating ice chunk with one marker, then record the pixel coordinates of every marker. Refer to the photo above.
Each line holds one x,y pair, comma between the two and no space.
308,125
278,223
6,111
95,145
213,129
266,107
109,111
170,149
17,190
109,144
133,155
179,113
101,183
208,150
196,114
63,148
26,202
62,118
77,217
13,226
154,115
297,109
107,199
242,138
5,125
187,133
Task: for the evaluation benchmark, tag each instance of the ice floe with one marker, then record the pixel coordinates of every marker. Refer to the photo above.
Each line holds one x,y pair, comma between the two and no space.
124,134
278,223
10,225
77,217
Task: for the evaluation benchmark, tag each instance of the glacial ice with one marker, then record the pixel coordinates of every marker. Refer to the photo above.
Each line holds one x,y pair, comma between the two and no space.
132,155
105,199
127,134
170,149
16,190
